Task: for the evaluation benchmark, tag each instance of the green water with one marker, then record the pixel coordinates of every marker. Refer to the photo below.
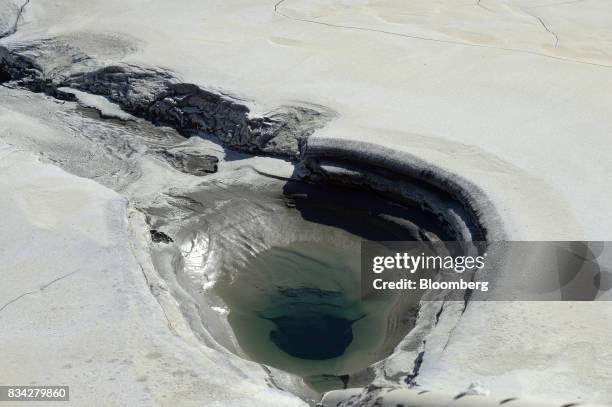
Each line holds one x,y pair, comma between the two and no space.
298,308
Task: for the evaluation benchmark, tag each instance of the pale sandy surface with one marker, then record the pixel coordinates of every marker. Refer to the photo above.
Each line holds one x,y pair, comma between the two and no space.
533,111
76,306
515,96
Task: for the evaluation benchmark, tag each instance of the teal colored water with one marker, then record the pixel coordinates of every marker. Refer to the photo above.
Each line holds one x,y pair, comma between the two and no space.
298,308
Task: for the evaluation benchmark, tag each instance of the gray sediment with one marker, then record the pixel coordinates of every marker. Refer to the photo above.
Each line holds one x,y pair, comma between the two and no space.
436,204
158,96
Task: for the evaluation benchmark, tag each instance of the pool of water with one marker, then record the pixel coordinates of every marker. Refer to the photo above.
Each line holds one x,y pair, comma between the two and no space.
284,259
298,308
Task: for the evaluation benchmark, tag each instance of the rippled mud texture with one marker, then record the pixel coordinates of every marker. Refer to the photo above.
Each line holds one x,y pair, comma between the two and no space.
286,254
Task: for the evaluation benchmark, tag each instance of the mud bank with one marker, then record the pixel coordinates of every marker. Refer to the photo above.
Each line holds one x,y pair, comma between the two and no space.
276,257
261,263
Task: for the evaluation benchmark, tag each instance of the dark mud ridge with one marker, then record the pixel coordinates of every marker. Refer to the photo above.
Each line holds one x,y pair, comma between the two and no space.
159,96
461,209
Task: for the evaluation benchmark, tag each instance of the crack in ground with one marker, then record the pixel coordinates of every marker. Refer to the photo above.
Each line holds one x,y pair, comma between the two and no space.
277,10
547,28
19,15
410,379
13,30
479,4
41,289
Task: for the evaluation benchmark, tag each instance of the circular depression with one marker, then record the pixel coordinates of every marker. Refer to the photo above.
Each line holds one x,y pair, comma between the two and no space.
284,258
